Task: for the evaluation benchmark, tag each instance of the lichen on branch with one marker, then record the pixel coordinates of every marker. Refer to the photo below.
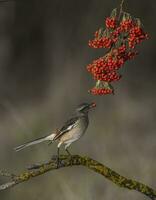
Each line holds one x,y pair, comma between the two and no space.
65,161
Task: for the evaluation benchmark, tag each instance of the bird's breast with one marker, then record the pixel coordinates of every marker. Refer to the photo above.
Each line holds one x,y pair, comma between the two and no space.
76,132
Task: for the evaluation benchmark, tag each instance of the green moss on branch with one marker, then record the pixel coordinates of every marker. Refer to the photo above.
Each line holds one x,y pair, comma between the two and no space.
39,169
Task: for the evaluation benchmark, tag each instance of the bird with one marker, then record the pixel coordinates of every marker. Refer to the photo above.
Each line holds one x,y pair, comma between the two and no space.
70,132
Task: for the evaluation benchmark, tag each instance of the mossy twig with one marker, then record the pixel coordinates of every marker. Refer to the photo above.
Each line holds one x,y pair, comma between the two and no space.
39,169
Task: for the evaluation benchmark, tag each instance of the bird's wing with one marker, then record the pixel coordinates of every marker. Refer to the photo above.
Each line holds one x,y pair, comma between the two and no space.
70,124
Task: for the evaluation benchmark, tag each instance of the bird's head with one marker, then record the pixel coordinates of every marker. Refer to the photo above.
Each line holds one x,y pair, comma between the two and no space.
85,107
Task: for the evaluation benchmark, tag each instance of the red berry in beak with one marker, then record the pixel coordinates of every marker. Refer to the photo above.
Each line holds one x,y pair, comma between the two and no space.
92,105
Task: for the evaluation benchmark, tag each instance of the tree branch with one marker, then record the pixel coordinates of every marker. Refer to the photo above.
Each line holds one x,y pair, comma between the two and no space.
39,169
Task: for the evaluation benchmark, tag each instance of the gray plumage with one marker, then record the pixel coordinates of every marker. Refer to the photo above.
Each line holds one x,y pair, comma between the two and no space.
71,131
37,141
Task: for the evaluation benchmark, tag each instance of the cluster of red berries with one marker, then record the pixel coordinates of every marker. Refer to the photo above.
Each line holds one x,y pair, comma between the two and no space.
126,25
103,42
136,35
130,29
101,91
120,37
111,22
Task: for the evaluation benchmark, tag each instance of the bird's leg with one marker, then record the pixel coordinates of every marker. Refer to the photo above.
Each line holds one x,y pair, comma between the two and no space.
58,157
58,154
71,159
68,152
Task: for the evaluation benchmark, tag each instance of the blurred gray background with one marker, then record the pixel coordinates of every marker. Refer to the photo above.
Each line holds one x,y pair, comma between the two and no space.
43,55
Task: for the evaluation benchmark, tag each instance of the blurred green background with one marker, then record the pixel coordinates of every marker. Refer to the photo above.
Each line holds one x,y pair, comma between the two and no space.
43,54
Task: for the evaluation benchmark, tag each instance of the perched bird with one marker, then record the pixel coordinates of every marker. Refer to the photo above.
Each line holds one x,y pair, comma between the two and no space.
71,131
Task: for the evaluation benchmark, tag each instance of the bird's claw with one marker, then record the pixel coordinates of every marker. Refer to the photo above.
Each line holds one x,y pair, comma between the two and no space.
58,163
71,160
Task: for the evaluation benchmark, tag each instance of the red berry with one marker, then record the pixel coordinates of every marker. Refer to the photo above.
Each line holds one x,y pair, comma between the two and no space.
111,22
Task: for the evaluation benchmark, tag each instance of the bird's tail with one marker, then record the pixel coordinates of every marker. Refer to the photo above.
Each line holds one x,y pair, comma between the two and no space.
37,141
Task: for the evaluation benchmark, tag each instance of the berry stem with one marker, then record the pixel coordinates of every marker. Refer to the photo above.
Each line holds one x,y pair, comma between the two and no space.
121,9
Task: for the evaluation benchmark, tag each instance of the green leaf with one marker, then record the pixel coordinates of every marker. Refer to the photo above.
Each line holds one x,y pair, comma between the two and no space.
113,13
126,16
138,22
100,32
98,84
107,85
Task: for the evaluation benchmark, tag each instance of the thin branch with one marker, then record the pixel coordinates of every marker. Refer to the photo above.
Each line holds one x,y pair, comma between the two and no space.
121,5
39,169
120,9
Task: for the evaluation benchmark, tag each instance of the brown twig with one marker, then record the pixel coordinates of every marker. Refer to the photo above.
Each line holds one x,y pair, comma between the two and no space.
39,169
120,9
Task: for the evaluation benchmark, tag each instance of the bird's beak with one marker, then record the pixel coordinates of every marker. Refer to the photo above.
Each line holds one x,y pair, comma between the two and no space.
92,105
